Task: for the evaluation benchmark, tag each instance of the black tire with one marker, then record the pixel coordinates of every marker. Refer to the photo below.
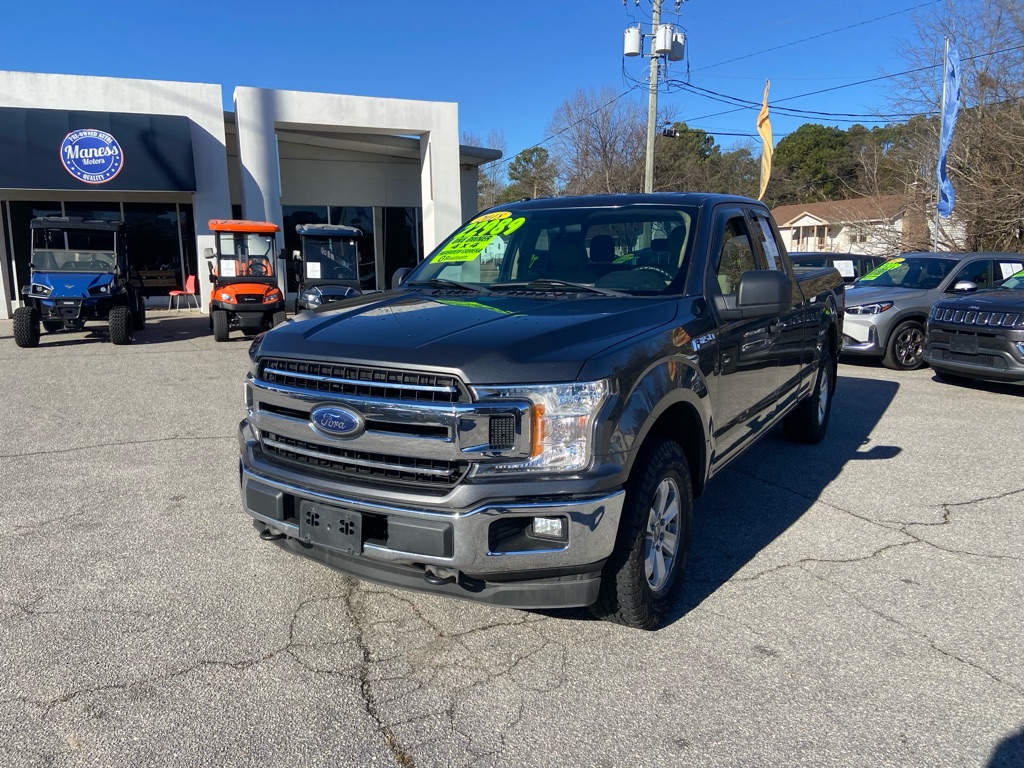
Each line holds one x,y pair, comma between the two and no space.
808,422
905,350
120,322
52,326
219,319
278,318
26,327
139,318
638,588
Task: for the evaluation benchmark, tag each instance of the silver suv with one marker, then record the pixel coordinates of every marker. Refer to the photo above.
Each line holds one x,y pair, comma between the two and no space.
887,308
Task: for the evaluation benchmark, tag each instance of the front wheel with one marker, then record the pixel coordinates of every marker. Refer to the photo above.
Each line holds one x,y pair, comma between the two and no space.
905,351
644,573
808,422
219,319
121,326
26,327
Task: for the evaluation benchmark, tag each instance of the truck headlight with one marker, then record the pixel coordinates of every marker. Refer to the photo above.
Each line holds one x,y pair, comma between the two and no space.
869,309
40,290
561,423
274,295
312,296
225,296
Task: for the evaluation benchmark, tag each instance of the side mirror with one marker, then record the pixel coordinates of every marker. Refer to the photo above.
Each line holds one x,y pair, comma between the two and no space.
399,277
208,253
297,255
965,286
760,293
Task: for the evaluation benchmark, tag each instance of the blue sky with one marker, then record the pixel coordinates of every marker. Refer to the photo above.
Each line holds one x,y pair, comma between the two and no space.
507,65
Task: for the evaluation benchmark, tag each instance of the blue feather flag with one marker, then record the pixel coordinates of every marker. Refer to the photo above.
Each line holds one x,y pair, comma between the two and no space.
950,107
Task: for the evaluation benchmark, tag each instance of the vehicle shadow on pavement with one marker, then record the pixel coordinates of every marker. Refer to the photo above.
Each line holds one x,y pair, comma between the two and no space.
767,489
161,328
763,492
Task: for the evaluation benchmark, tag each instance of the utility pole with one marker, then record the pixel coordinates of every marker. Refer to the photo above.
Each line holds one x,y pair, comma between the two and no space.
652,103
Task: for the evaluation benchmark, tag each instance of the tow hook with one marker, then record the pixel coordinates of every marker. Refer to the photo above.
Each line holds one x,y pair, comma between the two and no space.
269,534
440,576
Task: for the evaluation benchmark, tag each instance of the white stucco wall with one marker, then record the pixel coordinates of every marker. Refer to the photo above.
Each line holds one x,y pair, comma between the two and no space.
259,113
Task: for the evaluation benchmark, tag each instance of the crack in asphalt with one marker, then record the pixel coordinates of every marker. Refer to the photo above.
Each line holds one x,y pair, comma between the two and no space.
115,445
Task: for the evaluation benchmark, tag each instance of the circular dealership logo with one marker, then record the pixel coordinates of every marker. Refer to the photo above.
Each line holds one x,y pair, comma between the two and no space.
336,422
91,156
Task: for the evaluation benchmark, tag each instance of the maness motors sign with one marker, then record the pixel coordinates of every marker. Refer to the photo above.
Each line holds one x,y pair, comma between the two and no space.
92,155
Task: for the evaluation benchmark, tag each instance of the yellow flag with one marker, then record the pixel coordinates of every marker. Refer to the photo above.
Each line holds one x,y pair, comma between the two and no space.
764,127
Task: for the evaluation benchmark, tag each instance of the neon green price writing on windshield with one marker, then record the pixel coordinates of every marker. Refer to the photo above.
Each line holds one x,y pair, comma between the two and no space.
882,269
477,235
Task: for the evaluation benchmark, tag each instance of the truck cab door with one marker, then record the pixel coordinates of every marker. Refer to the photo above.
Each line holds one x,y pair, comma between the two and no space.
794,334
747,373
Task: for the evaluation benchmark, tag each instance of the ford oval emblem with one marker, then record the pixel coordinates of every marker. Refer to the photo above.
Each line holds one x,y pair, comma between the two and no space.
334,421
91,155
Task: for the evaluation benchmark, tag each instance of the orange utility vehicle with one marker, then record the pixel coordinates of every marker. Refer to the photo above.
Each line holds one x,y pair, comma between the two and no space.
245,292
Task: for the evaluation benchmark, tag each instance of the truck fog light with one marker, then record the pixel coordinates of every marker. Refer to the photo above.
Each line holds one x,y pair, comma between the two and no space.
549,527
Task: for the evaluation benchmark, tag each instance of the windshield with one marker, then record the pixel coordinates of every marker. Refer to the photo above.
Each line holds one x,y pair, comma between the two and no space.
330,258
60,250
1014,282
245,254
909,272
632,249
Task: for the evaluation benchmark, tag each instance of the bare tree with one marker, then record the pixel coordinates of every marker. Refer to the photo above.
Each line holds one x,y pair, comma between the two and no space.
986,159
598,142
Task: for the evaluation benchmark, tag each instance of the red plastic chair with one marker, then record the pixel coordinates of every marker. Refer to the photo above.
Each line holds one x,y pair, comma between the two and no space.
189,292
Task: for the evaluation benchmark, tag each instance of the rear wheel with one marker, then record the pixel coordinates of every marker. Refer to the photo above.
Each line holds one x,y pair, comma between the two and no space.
219,319
26,327
52,326
139,318
808,422
120,322
278,318
905,351
642,577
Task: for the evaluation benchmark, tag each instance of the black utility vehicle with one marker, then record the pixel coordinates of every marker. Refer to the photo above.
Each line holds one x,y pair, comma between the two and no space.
329,268
79,273
979,335
531,431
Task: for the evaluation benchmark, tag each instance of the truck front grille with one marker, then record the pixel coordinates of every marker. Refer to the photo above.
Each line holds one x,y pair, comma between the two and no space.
342,463
975,317
363,381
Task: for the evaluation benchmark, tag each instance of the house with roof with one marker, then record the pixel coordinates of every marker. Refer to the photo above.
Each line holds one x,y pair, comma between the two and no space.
868,225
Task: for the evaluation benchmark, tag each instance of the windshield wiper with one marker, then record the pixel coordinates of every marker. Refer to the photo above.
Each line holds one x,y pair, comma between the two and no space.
543,284
443,282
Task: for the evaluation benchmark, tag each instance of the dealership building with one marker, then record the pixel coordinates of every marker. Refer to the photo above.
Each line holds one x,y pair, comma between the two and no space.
165,158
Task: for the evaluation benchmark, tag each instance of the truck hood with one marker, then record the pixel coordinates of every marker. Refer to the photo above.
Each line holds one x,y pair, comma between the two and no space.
485,339
73,285
869,295
988,300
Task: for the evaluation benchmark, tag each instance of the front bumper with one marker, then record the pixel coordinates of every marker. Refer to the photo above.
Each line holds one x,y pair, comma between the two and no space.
861,336
482,553
993,356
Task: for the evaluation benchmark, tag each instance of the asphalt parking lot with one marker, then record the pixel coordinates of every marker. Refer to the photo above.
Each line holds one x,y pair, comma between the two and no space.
855,603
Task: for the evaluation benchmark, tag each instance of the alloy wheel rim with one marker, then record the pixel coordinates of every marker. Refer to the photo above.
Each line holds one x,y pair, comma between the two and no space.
823,394
661,538
910,346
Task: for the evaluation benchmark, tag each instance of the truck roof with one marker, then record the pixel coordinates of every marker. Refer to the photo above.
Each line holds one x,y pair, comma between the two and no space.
625,198
326,230
75,222
241,225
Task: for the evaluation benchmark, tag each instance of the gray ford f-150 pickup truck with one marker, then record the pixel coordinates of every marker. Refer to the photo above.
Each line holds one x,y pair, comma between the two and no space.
526,419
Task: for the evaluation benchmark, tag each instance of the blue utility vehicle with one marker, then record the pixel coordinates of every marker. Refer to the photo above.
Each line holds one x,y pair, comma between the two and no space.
79,273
